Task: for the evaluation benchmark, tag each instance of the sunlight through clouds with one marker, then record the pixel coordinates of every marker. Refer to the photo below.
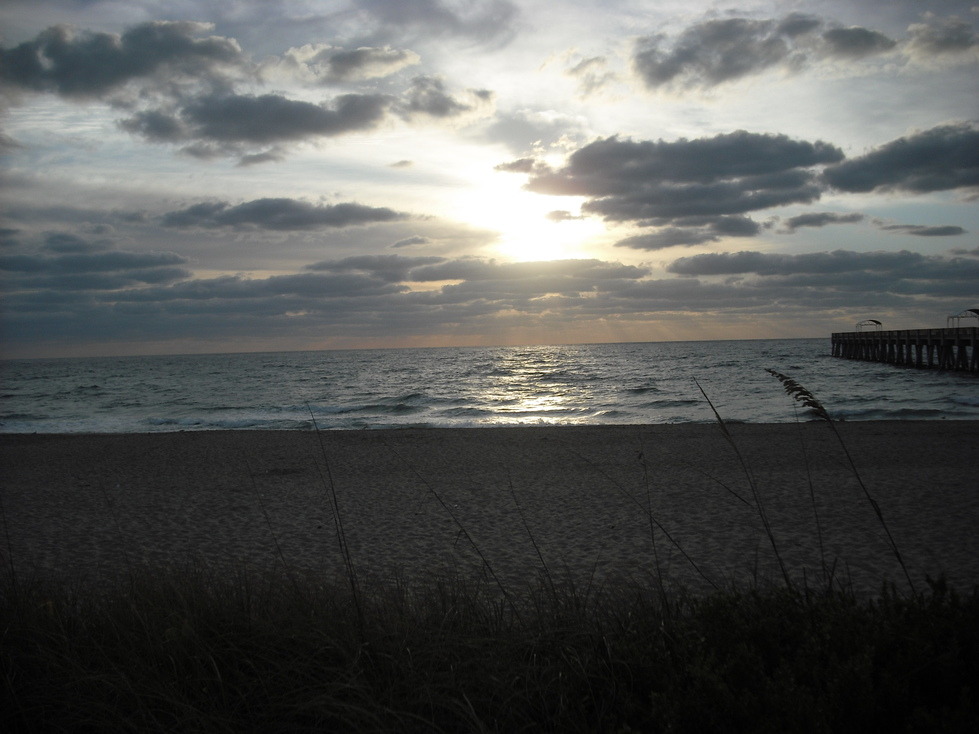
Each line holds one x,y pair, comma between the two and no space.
637,152
522,219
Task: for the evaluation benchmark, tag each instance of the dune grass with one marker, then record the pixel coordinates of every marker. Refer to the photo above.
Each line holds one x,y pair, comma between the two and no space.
192,648
188,650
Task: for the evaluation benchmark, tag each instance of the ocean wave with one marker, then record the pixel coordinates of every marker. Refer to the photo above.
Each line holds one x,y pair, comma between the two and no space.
596,384
877,414
651,389
672,403
226,423
465,411
969,400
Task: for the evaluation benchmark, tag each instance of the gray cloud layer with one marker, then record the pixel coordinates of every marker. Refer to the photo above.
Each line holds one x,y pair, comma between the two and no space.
705,183
716,51
721,50
175,84
943,158
339,65
903,264
69,263
942,37
95,64
922,231
699,191
726,174
268,118
373,295
278,214
483,20
181,86
821,219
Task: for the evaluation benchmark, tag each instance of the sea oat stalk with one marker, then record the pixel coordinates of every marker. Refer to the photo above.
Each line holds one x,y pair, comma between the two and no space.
751,483
799,393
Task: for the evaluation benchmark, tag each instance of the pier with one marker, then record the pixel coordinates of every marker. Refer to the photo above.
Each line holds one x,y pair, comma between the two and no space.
942,349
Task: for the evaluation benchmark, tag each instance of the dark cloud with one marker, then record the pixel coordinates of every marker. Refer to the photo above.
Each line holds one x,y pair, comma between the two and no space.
209,151
668,237
798,24
698,231
44,214
100,281
185,96
389,268
362,63
663,182
476,269
925,231
942,38
10,237
271,117
81,265
205,114
362,297
609,166
483,20
7,144
967,253
821,219
278,214
238,119
266,156
716,51
496,289
409,241
236,296
855,43
156,126
940,159
710,53
65,243
95,64
730,226
427,96
592,75
88,262
721,50
903,264
359,293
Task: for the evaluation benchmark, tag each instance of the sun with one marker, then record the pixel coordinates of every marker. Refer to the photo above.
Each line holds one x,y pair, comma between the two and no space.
531,227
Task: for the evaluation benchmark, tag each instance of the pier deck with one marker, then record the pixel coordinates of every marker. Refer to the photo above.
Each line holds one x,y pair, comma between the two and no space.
942,349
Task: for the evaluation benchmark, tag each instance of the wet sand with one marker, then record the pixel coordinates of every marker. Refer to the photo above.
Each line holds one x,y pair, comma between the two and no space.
602,504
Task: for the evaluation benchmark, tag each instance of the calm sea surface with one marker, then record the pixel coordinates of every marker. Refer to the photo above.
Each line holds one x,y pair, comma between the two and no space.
479,386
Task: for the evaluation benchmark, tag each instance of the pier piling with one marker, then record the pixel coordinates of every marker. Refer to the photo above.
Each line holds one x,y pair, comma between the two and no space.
942,349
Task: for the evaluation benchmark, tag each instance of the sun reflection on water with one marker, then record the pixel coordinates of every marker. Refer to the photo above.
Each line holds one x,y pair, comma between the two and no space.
534,386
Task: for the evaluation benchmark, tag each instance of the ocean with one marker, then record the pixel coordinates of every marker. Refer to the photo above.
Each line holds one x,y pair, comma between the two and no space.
629,383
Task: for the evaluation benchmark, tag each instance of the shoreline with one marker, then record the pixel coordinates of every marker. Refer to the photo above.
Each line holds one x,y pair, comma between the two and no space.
307,427
97,506
392,428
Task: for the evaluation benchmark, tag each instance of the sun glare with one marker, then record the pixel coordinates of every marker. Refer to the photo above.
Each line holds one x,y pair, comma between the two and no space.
531,226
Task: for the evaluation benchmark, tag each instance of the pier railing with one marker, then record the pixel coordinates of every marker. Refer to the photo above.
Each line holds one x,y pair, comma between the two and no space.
942,349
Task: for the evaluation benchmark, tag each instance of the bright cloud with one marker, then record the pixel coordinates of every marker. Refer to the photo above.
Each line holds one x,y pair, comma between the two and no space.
260,173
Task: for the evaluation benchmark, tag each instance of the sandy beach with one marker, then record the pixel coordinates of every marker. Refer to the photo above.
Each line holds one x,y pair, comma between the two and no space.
594,504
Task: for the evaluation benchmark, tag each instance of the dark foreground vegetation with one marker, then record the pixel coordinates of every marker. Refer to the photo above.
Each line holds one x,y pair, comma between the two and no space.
192,650
200,650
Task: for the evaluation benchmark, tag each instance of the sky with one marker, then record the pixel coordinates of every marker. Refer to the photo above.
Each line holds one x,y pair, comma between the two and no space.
257,175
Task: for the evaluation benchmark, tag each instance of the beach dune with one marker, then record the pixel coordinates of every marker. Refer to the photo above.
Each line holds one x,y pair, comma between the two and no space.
592,505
